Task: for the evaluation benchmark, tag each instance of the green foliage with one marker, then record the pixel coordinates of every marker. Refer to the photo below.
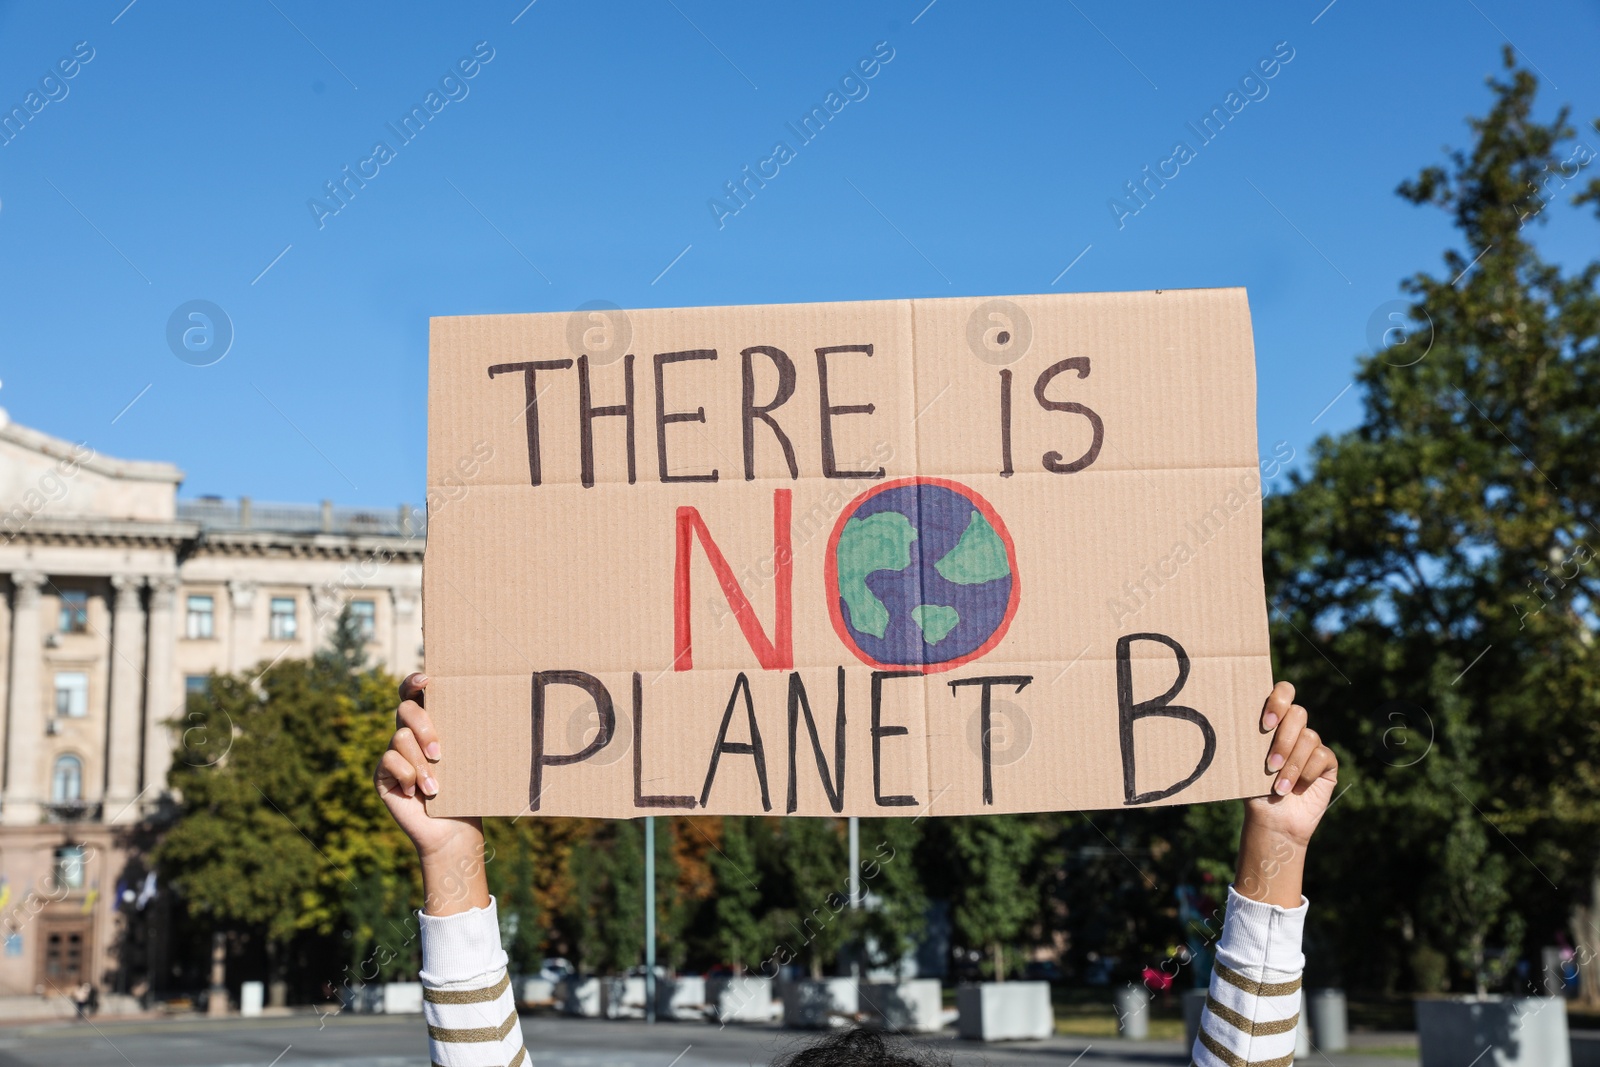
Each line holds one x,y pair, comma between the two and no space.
742,936
1438,588
996,898
514,852
814,923
897,908
279,831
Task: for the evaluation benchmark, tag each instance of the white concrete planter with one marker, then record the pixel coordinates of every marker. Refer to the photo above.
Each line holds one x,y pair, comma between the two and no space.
1515,1031
622,998
817,1005
580,996
1005,1011
402,998
1328,1018
910,1007
1132,1005
534,992
683,997
1194,1006
740,1000
252,996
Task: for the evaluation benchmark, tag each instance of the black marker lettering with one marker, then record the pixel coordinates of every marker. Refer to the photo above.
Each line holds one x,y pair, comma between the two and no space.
1129,713
1005,424
640,798
587,414
530,410
764,412
834,787
753,747
665,417
1052,460
879,732
830,468
1021,682
608,726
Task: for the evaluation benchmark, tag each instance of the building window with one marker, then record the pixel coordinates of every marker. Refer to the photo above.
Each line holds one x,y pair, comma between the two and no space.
202,618
72,695
194,685
282,625
74,612
66,785
69,867
366,619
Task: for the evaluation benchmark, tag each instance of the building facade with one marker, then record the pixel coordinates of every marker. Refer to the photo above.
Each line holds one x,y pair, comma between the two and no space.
117,600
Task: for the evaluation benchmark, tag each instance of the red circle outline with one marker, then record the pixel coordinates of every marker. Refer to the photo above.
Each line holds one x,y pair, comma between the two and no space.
830,574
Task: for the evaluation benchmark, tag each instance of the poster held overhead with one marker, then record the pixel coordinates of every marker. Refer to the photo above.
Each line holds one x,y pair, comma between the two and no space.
883,558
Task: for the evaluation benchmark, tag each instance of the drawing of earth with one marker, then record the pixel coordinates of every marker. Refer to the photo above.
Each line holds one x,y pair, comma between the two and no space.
924,578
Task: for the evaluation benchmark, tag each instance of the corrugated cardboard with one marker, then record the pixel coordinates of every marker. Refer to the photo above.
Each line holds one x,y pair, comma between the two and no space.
781,519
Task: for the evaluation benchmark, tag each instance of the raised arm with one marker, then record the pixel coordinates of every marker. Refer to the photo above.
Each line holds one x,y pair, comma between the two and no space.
467,997
1253,1006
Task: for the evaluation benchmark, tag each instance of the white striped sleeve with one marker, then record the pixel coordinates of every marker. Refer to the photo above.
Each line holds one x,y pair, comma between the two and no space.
466,992
1253,1006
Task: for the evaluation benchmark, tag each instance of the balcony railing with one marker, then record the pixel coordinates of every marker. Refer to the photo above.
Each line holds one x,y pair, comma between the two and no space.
71,811
214,513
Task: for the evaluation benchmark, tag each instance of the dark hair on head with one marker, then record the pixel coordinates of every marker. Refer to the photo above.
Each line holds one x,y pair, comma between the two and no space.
862,1048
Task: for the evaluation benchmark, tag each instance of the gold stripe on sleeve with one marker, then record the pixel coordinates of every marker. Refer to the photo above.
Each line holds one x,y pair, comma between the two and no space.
1233,1059
1256,989
475,1035
467,996
1239,1022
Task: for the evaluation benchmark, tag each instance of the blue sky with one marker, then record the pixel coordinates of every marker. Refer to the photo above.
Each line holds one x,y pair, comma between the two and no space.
579,164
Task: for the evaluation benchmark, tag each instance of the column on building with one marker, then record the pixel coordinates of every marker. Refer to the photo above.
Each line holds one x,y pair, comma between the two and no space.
127,699
161,703
244,634
20,802
407,640
327,600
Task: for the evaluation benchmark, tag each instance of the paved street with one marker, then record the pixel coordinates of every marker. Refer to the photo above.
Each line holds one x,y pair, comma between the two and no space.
375,1041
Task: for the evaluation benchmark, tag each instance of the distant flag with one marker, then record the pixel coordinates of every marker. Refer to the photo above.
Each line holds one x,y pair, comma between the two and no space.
89,899
147,893
5,892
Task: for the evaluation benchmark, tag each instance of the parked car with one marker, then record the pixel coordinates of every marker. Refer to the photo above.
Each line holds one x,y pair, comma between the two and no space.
555,968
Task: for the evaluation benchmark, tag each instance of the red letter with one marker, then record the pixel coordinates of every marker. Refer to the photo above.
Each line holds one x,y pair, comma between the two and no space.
773,655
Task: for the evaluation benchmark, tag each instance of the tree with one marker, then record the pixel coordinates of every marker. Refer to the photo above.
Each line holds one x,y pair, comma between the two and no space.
515,852
279,833
608,898
237,854
895,912
738,895
995,897
815,866
1434,575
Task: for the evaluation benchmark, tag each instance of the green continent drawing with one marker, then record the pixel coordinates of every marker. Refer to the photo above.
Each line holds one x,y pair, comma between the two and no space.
936,621
880,542
980,555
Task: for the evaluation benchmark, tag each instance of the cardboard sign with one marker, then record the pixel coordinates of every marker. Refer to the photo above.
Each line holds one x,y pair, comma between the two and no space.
891,558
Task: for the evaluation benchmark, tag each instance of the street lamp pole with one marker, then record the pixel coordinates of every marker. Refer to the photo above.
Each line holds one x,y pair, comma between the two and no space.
855,887
650,918
855,862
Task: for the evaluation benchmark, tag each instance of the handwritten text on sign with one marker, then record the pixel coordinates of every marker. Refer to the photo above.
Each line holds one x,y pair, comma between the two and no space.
941,556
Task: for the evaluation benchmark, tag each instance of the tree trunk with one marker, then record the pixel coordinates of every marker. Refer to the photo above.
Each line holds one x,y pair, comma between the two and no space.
1586,944
999,961
217,996
277,965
